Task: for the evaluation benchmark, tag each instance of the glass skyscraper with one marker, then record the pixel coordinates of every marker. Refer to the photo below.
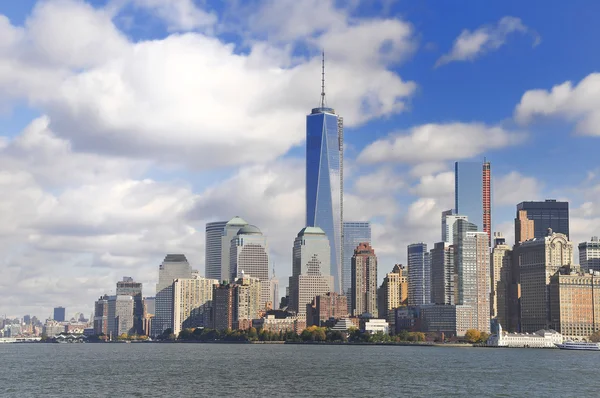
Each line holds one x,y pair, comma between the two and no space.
355,232
419,274
472,193
547,214
324,176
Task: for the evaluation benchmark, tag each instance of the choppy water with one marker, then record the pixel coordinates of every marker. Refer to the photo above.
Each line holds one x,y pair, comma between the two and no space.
185,370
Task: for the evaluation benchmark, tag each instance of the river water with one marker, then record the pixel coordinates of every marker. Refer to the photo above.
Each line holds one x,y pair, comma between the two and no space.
203,370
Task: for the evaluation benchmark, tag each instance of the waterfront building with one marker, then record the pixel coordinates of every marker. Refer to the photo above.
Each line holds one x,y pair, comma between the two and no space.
449,217
355,232
277,322
472,264
174,266
249,254
192,302
223,306
248,296
537,260
393,293
324,179
310,269
129,287
524,227
452,320
101,315
589,255
213,248
442,273
419,274
230,231
325,307
540,339
59,314
500,279
575,303
120,315
546,214
364,280
373,325
51,328
472,188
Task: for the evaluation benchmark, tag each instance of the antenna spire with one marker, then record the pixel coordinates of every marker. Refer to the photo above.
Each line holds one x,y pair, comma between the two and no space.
323,79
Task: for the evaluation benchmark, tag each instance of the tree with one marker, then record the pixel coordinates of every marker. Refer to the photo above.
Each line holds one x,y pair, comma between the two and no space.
483,337
252,334
472,335
595,337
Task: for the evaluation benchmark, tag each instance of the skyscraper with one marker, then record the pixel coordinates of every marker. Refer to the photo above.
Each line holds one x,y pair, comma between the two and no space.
192,302
230,230
547,214
364,280
101,315
173,266
212,249
472,189
419,274
589,255
128,287
120,315
274,291
310,269
448,220
442,273
523,227
324,179
500,280
59,314
355,232
393,294
249,253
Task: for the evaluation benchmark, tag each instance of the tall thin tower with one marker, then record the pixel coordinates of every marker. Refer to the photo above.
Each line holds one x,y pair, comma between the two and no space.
324,176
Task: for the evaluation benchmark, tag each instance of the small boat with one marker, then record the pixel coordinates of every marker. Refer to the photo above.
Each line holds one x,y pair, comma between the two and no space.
576,345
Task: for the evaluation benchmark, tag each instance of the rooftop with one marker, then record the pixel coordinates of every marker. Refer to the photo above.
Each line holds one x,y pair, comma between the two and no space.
311,231
249,230
237,220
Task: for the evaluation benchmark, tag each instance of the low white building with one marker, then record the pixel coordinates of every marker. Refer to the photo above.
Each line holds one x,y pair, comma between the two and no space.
540,339
377,325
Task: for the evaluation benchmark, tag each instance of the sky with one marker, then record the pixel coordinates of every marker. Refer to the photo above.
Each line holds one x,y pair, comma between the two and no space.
126,125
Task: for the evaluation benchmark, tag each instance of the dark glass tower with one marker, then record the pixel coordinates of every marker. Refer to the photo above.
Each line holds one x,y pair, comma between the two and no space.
547,214
324,176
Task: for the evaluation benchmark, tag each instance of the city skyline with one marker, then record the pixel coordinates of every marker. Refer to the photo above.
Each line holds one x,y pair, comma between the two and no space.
106,169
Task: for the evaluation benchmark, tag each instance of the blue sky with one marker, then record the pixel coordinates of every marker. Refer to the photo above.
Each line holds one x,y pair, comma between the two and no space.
128,124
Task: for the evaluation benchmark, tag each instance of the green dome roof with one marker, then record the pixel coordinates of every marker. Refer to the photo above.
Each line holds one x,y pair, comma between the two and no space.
249,230
311,231
237,221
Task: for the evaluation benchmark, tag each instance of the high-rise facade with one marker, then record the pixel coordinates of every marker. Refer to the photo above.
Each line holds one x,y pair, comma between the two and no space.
101,315
355,232
589,255
274,291
247,301
325,307
59,314
364,280
500,280
128,287
419,274
192,302
174,266
448,219
547,214
249,254
212,249
223,306
324,179
120,315
442,273
311,276
523,227
538,260
393,293
472,193
230,231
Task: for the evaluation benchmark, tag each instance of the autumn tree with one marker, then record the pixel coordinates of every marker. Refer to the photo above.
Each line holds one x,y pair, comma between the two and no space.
472,335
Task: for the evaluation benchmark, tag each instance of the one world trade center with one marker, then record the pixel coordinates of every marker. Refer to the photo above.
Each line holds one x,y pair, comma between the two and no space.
324,177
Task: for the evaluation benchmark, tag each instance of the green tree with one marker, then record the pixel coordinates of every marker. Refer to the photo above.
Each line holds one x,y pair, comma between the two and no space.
472,335
252,334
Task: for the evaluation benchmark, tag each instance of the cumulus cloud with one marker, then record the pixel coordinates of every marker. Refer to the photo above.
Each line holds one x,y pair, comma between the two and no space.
439,142
179,15
514,188
579,104
472,44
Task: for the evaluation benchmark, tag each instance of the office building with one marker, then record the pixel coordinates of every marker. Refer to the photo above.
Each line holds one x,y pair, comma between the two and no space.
524,228
229,232
472,188
173,267
449,217
59,314
274,292
101,316
249,254
393,293
589,255
364,280
547,214
442,273
539,259
575,303
310,269
223,306
324,179
52,328
419,274
355,232
326,307
192,302
212,249
501,268
248,297
472,264
120,316
128,287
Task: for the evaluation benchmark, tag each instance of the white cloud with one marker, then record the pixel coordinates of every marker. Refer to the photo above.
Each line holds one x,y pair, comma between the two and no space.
440,186
439,142
513,188
382,181
579,104
179,15
472,44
